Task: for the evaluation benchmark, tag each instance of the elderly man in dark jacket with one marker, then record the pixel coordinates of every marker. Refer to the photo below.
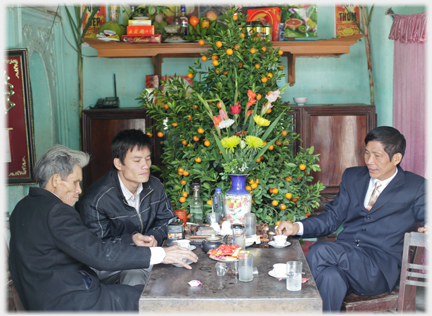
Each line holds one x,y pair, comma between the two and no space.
128,204
51,249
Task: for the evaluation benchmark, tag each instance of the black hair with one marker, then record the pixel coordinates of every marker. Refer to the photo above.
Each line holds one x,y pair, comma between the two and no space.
391,139
127,140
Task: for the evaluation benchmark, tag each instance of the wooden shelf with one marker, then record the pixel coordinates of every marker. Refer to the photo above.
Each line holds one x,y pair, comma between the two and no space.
292,49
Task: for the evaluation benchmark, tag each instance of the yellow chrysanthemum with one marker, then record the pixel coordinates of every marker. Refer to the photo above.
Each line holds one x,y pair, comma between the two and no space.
230,142
253,141
261,121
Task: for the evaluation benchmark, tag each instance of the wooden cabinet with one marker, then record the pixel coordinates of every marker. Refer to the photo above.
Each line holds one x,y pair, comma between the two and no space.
337,132
98,129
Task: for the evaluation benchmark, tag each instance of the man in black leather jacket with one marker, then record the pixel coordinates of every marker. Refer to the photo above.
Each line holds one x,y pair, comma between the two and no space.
51,249
128,204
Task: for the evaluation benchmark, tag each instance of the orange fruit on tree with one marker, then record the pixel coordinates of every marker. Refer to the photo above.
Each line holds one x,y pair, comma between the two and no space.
271,147
180,170
203,58
271,190
268,111
186,173
277,223
289,178
284,133
288,196
160,134
149,134
195,106
254,185
182,199
235,17
282,206
275,203
253,50
198,159
189,117
242,35
188,216
189,75
275,191
219,105
281,67
264,79
209,202
215,62
196,138
218,44
201,130
175,124
257,180
257,66
280,52
258,97
166,106
302,167
294,200
236,47
269,75
185,194
264,48
241,65
201,42
225,73
184,142
258,160
214,57
206,143
183,182
194,21
299,178
229,51
248,188
278,143
205,24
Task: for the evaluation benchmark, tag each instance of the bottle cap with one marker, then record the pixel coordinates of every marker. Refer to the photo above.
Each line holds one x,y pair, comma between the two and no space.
218,190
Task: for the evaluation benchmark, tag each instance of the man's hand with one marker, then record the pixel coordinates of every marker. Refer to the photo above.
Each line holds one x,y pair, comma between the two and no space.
423,229
175,254
287,229
144,241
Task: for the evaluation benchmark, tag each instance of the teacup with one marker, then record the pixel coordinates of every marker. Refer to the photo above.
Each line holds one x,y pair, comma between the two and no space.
183,243
279,269
280,240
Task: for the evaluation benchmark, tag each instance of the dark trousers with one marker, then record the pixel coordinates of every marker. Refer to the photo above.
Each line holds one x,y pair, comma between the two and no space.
339,269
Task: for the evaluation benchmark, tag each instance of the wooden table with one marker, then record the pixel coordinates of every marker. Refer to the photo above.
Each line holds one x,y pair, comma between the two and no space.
167,289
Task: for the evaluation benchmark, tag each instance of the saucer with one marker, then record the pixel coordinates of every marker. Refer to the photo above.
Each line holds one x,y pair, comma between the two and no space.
273,274
273,244
180,266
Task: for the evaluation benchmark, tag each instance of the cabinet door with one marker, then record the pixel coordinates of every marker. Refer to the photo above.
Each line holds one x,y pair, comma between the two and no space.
337,133
99,128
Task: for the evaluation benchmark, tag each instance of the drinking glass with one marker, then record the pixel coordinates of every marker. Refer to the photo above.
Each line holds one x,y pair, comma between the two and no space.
245,266
221,268
294,275
250,224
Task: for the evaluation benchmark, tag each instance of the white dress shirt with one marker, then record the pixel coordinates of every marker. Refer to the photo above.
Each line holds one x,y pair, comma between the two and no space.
371,187
157,253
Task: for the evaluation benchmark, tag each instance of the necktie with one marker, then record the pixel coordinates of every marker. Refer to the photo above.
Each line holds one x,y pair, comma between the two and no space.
374,196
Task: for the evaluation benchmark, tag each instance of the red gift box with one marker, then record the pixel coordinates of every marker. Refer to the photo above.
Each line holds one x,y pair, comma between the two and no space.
270,16
140,30
156,38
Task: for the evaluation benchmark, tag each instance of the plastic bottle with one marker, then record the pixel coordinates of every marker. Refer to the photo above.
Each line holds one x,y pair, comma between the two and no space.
218,204
196,205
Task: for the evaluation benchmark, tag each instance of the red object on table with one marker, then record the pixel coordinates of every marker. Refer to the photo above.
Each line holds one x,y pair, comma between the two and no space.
182,215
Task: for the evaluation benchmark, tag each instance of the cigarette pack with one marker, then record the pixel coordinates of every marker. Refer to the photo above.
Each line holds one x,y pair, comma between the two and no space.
140,30
139,22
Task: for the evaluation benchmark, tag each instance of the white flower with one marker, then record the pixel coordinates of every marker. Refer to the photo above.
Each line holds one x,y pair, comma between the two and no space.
242,144
226,123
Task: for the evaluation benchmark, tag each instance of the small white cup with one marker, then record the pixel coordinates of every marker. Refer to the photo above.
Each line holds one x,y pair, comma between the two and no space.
183,243
280,240
279,269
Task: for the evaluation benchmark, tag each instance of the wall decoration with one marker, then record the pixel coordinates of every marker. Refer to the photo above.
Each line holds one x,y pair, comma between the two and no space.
99,18
19,119
347,20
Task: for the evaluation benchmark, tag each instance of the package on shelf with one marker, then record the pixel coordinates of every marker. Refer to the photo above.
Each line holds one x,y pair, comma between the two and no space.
140,30
139,22
267,16
142,39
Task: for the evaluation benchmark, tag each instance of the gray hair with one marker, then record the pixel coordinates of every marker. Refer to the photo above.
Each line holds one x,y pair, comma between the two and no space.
61,160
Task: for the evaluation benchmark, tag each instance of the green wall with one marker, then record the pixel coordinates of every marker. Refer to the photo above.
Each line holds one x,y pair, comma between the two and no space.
322,80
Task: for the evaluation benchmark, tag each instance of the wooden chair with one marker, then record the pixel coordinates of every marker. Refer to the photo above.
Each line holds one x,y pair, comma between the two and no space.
402,298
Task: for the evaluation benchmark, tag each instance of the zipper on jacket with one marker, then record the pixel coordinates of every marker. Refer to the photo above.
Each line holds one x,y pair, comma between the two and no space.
138,213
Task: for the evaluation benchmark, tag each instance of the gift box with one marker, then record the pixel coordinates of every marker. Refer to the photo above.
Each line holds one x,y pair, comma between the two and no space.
139,22
142,39
267,16
140,30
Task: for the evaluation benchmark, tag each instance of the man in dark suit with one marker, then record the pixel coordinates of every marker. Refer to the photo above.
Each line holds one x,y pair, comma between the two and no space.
51,249
376,204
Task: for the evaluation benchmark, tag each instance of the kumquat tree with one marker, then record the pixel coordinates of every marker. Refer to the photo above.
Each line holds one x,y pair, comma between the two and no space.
233,98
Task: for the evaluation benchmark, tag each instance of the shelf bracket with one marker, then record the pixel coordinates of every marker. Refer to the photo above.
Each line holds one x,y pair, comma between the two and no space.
157,65
291,68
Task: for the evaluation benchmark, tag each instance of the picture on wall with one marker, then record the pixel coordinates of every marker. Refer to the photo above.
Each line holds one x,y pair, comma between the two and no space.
20,153
347,19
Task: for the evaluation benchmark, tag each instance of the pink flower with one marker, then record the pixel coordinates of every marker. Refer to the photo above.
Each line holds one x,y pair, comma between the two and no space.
223,115
273,96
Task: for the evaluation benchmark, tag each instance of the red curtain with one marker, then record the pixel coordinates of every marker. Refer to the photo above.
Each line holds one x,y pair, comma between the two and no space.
409,87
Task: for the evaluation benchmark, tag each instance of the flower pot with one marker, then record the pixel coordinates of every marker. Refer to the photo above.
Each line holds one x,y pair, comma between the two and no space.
238,200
